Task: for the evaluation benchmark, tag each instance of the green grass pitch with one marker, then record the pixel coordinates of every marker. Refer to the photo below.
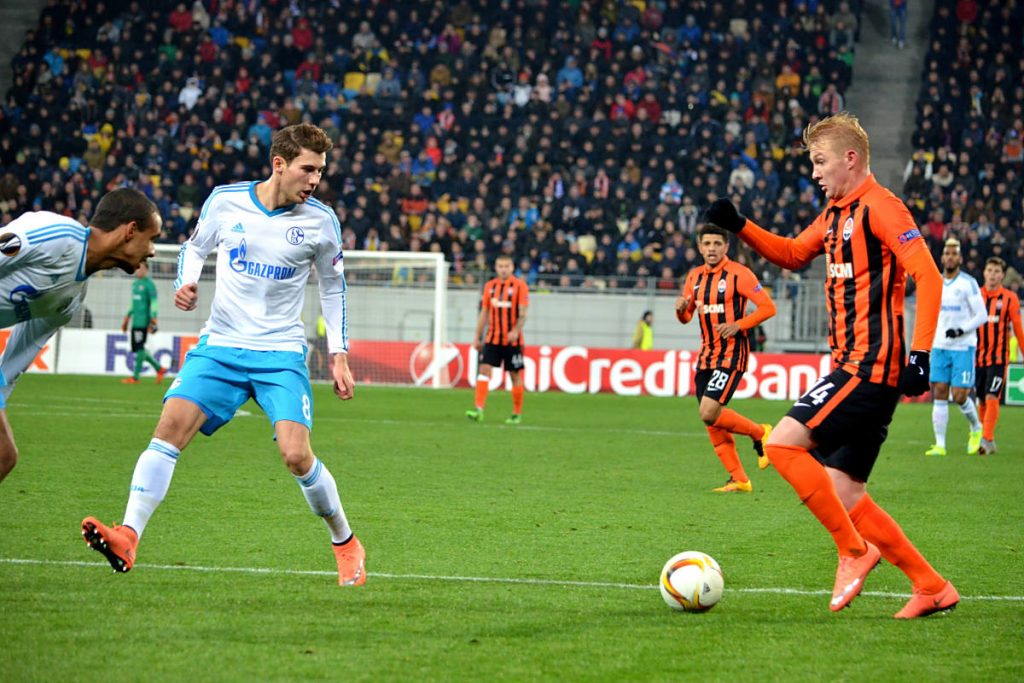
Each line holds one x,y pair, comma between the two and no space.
494,552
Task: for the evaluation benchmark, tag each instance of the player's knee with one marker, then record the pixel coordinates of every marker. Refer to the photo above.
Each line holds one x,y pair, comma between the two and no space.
709,415
298,461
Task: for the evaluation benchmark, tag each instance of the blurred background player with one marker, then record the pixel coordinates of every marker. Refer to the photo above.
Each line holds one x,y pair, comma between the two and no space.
643,334
953,350
1002,309
718,292
268,235
870,242
45,262
503,313
142,319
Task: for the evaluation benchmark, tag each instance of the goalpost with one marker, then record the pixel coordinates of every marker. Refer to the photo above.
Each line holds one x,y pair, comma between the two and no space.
397,301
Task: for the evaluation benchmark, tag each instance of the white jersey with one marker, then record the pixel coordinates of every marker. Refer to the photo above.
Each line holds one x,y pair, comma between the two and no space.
962,307
42,284
263,263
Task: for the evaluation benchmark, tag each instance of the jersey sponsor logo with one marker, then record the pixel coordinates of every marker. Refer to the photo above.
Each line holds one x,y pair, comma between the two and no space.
993,318
239,264
10,244
909,235
840,271
848,228
295,235
721,286
498,303
953,308
20,296
712,308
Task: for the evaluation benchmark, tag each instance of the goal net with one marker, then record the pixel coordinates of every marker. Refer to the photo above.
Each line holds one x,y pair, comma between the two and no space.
397,304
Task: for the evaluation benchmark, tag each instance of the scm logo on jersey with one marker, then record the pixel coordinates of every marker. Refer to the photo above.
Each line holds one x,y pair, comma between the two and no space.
712,308
239,264
840,271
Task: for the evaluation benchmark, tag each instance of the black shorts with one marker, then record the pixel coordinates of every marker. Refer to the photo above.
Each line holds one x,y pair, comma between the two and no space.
989,380
509,357
717,383
849,419
139,336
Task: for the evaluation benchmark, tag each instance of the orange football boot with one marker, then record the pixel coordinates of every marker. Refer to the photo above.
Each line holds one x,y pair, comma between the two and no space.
351,559
850,576
117,543
922,604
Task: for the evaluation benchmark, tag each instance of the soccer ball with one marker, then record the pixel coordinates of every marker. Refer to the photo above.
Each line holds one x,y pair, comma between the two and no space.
691,581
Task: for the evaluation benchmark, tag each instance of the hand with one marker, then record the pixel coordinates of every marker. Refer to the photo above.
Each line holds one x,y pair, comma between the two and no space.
727,330
344,384
914,379
513,337
723,214
152,326
954,332
477,345
187,297
124,324
682,302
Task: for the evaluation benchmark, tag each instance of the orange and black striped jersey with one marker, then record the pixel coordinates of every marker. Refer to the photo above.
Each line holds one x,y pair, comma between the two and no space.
503,300
993,337
870,240
719,295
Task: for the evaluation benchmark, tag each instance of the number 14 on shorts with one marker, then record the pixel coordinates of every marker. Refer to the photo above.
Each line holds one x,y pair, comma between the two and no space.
818,394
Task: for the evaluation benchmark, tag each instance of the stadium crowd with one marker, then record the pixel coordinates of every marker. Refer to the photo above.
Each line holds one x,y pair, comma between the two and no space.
966,176
580,137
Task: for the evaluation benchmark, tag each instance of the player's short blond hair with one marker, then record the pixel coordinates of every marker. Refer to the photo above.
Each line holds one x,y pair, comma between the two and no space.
843,131
951,242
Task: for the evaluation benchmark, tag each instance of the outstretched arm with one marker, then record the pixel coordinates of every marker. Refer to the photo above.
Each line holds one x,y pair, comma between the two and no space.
788,252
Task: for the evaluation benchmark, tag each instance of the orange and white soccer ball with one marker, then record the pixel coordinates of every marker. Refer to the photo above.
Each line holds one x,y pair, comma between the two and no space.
691,581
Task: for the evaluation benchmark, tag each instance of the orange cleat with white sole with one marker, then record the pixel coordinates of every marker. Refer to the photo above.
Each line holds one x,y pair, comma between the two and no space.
850,576
351,559
922,604
116,543
160,375
129,380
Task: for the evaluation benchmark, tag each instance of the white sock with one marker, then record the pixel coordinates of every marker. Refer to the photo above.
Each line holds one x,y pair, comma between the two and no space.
150,482
321,492
940,417
970,411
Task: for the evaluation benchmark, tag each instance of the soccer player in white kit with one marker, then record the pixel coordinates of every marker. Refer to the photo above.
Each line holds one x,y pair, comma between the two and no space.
267,235
953,350
45,262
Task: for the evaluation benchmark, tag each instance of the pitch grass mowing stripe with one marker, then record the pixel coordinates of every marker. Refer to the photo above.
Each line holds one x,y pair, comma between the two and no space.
469,579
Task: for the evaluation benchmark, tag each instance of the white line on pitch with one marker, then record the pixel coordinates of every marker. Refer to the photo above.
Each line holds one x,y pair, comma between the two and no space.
370,420
466,579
